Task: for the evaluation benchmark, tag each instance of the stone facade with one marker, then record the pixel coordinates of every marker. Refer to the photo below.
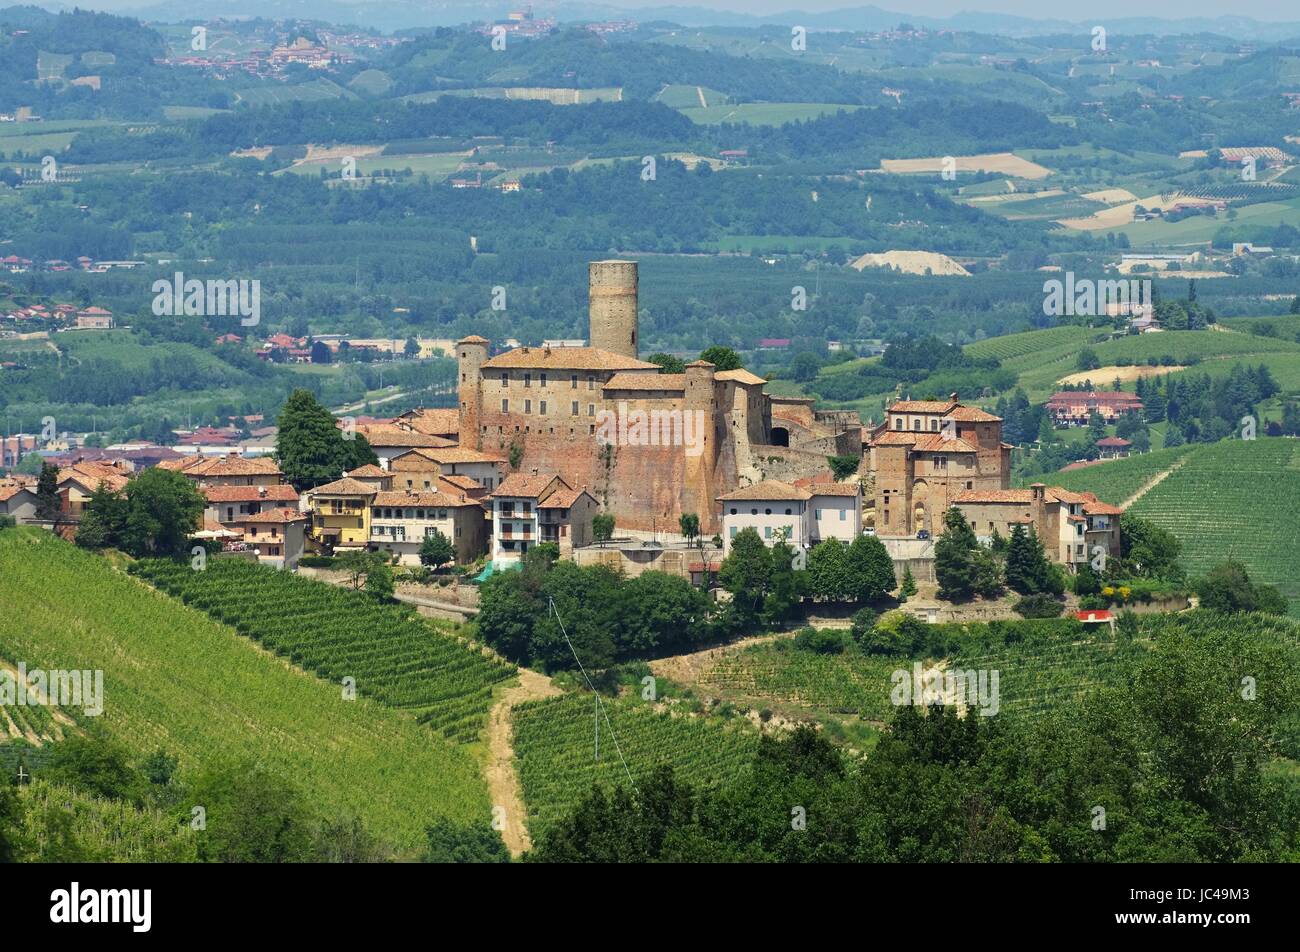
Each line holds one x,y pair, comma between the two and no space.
681,439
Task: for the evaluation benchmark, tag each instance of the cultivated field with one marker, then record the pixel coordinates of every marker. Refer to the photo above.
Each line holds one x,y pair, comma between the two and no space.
1005,162
176,679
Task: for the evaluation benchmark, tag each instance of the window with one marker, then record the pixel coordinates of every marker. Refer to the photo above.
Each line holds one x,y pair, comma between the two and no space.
528,380
573,381
733,512
505,406
844,514
542,407
528,406
505,380
767,512
733,529
591,382
898,423
767,532
753,512
934,425
916,424
542,381
573,408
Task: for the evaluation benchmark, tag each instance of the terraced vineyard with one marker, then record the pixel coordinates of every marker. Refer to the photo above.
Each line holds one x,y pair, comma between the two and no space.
1116,480
1236,499
849,683
554,744
176,679
1052,340
394,655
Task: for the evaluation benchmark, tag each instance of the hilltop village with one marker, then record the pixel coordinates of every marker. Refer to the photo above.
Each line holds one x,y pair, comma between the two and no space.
545,440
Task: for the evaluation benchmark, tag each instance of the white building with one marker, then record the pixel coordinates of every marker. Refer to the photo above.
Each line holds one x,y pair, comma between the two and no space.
803,516
538,508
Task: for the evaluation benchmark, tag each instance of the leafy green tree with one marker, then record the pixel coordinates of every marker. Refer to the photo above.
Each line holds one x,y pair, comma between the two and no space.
659,612
379,581
449,842
871,569
1227,588
509,606
722,358
251,816
436,550
310,447
842,467
689,524
411,348
746,573
668,363
961,566
829,574
786,584
47,492
103,522
163,510
97,765
1087,360
602,527
804,366
1147,551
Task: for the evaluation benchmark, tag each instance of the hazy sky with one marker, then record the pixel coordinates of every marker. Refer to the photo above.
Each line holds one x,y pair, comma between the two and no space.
1075,10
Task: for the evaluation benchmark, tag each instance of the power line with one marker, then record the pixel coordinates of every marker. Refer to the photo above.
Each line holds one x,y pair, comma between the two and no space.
600,705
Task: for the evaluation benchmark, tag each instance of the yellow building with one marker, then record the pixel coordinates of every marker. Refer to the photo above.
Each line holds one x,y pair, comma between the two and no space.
340,514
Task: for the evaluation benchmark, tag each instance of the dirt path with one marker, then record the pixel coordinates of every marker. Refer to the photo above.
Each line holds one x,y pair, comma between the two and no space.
502,781
1152,483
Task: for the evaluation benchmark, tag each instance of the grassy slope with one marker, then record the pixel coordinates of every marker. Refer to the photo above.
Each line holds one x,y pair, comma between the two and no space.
173,678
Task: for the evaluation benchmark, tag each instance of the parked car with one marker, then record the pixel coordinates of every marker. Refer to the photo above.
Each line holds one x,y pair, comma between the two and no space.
923,534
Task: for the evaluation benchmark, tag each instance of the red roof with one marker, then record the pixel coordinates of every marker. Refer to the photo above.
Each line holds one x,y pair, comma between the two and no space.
1093,616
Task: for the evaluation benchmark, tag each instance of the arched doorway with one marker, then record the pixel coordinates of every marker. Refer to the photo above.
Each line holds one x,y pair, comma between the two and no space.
780,436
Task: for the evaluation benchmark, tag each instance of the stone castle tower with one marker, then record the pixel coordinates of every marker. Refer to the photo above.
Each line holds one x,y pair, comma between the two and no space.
471,353
612,303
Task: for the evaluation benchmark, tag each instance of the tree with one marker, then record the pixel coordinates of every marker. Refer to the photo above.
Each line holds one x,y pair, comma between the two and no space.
1087,360
448,842
162,509
829,574
379,582
668,363
722,358
871,569
436,550
746,573
804,367
47,492
602,527
103,522
412,347
252,816
310,447
908,587
842,467
358,564
1227,588
1147,550
1027,569
689,524
786,584
961,566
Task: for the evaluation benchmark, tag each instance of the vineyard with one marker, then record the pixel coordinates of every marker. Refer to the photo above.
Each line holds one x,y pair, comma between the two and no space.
175,679
848,683
1116,480
393,654
1066,338
1238,499
555,748
108,830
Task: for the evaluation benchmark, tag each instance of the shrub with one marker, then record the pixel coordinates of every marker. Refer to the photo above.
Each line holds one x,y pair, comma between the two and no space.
819,640
1038,606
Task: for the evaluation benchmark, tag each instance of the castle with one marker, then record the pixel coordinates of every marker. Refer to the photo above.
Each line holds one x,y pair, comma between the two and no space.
649,446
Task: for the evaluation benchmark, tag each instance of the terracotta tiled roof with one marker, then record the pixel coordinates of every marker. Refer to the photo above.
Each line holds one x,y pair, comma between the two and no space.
1094,398
1113,441
436,422
369,471
233,465
343,487
703,364
564,497
525,486
767,489
8,492
274,515
452,454
473,339
566,358
635,381
1095,507
835,489
436,500
283,493
461,482
183,464
386,434
740,375
91,474
973,415
923,406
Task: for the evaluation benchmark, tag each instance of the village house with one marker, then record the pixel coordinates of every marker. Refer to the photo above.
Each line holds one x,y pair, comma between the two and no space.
527,509
1075,407
278,535
389,440
484,469
340,514
18,499
1073,527
800,515
229,470
1113,447
80,480
94,318
924,454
